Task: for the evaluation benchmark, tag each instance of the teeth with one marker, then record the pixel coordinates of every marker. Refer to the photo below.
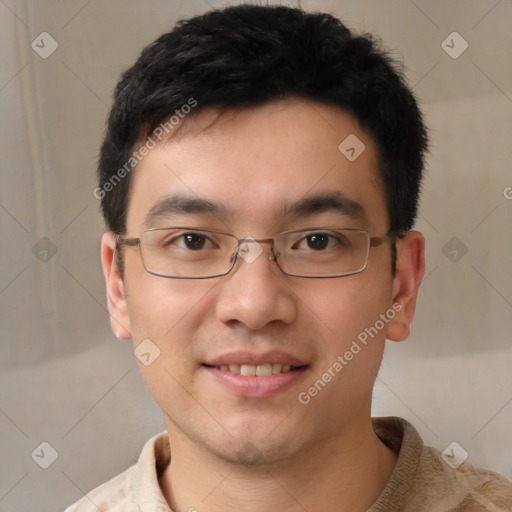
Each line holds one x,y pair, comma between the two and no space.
264,370
251,370
248,370
276,368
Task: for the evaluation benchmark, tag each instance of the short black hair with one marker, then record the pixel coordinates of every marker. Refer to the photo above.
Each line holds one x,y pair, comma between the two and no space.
248,55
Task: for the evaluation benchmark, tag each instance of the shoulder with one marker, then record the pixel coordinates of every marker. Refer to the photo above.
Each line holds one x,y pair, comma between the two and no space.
137,484
458,485
425,479
112,496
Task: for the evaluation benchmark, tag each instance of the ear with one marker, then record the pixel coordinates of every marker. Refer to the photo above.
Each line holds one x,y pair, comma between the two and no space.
116,299
410,266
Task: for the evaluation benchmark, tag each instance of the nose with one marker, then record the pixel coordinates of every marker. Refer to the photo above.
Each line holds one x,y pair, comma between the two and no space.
255,292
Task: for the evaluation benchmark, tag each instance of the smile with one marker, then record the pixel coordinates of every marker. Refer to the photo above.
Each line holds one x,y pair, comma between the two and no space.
256,380
260,370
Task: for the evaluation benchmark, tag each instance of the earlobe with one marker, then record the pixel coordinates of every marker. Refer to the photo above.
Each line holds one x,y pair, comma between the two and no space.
410,266
116,299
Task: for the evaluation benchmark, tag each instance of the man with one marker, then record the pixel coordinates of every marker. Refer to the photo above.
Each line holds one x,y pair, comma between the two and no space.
259,179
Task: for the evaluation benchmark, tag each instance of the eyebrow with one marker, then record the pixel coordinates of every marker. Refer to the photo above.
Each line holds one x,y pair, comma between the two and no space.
320,203
174,204
309,205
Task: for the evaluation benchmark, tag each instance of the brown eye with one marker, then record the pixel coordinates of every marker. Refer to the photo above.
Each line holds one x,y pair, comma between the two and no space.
187,241
193,241
318,241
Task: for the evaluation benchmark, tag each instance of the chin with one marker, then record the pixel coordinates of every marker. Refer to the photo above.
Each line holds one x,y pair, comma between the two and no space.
253,447
253,454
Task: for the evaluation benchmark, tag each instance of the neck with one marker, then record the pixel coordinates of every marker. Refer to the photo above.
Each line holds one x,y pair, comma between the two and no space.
343,474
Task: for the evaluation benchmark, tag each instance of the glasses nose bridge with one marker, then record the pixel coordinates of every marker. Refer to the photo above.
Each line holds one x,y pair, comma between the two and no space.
259,241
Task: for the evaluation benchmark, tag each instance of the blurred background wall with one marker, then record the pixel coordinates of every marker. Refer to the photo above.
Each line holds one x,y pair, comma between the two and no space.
67,381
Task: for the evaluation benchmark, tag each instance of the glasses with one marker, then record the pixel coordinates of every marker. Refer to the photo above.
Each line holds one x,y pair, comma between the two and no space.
190,253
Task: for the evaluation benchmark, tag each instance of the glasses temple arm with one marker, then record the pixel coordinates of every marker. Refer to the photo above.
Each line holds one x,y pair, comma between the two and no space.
375,241
124,240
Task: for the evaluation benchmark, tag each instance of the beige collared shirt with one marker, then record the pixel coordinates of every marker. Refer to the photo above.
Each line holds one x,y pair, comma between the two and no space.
421,481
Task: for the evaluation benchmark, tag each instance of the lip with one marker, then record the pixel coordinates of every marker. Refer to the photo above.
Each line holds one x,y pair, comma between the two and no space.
256,387
244,357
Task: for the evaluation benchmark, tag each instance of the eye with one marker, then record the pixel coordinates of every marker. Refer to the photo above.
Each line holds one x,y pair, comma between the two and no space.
194,241
317,242
190,241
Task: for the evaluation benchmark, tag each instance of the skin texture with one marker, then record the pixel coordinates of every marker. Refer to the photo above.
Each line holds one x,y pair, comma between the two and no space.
272,453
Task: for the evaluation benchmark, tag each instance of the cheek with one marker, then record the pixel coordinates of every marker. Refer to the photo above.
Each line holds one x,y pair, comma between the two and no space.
159,307
346,306
168,313
165,315
348,312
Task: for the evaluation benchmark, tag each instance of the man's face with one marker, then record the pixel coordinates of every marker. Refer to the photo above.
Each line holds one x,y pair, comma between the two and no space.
254,166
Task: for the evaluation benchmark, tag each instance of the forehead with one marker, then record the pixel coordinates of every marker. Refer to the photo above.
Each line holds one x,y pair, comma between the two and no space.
255,165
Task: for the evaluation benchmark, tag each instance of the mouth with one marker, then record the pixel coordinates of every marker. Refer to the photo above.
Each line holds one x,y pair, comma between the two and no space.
260,370
250,375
